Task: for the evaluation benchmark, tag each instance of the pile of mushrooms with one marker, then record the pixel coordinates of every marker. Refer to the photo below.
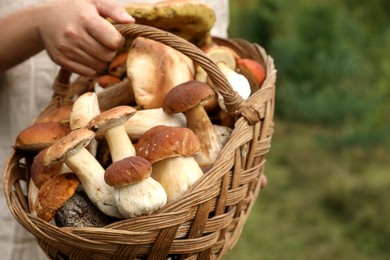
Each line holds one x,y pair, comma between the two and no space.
135,137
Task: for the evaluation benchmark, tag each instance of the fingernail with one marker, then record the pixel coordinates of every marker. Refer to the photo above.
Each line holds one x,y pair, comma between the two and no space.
126,17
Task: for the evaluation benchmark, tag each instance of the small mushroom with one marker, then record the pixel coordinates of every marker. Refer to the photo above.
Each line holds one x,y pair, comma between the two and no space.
170,150
187,98
117,66
41,173
225,58
145,119
71,150
136,193
79,211
253,71
102,82
110,123
39,136
84,109
117,95
59,115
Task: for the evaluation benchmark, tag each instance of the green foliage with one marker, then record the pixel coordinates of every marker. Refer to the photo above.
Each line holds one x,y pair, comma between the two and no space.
320,202
332,62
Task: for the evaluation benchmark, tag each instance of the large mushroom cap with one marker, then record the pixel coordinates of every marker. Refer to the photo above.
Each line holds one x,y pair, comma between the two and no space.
154,68
54,193
189,19
40,135
186,96
127,171
111,118
161,142
68,145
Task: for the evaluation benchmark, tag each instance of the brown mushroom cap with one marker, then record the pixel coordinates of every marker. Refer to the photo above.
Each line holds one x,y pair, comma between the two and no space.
60,115
40,173
54,193
68,145
154,68
40,135
127,171
161,142
189,19
111,118
186,96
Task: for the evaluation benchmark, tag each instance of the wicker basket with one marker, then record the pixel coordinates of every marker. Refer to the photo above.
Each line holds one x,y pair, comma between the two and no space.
208,220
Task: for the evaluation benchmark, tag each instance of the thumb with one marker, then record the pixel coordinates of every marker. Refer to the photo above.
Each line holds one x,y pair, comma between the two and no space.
113,10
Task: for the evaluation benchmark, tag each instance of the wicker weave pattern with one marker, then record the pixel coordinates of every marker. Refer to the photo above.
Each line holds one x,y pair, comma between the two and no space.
208,220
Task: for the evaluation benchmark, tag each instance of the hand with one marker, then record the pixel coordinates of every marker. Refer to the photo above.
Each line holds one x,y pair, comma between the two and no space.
77,35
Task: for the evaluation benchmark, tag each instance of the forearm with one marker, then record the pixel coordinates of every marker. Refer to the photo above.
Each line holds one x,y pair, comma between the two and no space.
20,38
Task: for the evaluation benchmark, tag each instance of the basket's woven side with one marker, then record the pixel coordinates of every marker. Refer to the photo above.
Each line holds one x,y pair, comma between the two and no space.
207,221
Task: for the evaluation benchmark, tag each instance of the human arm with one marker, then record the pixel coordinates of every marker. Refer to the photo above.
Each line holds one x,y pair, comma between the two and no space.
75,34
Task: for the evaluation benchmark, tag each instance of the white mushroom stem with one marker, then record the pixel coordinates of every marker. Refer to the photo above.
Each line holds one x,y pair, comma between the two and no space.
199,122
119,143
91,175
142,198
145,119
238,82
176,175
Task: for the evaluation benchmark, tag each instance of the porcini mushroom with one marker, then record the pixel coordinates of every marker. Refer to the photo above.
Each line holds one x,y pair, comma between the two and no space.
136,193
40,174
83,110
145,119
71,149
225,58
187,98
153,68
54,193
39,136
110,123
253,71
170,150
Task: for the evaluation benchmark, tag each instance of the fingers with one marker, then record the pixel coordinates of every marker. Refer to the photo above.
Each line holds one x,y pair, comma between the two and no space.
114,11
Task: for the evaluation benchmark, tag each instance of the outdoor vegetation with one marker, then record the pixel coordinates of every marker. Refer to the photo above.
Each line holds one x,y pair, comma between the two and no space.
328,169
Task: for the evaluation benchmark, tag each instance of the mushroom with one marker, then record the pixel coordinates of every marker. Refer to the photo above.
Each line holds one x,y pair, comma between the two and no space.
41,173
225,58
79,211
110,123
116,95
170,150
145,119
54,193
84,109
190,20
60,115
253,71
117,66
153,68
71,149
39,136
102,82
136,193
187,98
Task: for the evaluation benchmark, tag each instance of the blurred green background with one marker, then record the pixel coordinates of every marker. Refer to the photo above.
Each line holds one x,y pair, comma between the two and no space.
328,169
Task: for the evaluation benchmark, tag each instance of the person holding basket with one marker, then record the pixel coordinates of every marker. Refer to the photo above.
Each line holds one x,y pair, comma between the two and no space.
39,37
